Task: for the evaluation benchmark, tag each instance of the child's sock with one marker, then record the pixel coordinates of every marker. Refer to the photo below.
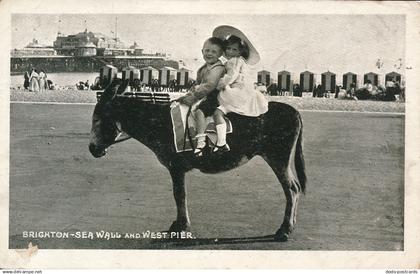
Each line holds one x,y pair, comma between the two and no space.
201,140
221,134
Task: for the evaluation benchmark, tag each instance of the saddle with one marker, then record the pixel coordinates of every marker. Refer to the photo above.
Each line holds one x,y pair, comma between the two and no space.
184,129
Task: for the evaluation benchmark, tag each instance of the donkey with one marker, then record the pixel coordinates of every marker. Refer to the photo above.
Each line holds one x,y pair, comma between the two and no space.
276,136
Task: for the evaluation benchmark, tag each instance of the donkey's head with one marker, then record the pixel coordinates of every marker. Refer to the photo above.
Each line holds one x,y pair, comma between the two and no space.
104,120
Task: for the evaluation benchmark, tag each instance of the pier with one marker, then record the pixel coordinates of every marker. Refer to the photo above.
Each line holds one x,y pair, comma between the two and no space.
57,63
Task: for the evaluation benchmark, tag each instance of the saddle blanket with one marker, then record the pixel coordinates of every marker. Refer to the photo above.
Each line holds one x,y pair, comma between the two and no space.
179,123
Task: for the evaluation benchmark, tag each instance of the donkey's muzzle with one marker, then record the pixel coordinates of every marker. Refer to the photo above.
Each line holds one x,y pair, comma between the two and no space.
96,151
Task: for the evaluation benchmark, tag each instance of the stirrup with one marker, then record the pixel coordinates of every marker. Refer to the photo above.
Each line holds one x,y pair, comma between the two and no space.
221,149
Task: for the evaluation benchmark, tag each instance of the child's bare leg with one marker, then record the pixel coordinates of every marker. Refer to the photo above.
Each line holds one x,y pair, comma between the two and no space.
200,124
200,121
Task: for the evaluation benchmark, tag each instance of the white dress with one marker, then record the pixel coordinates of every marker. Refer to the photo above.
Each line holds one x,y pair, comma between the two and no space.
237,92
42,80
33,80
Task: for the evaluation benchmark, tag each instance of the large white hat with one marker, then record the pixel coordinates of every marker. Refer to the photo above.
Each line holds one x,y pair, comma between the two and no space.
223,32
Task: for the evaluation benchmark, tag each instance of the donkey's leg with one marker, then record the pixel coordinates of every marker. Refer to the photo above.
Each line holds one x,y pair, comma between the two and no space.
182,222
292,192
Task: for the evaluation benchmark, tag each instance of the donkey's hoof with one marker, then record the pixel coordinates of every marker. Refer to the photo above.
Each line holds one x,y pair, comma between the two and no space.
179,227
282,235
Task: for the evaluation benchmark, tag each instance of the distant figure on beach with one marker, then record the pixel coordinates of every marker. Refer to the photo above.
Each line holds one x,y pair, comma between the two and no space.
297,91
337,90
155,85
136,85
342,94
273,89
33,81
368,86
80,86
318,92
367,91
87,85
352,90
400,90
50,85
26,82
143,87
42,80
96,84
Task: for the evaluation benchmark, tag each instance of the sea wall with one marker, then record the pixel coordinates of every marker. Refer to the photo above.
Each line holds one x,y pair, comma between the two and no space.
18,65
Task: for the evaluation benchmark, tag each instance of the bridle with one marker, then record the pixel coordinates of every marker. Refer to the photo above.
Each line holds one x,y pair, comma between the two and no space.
121,136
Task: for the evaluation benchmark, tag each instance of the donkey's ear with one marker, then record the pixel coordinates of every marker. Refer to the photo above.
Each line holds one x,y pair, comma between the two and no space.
123,86
111,90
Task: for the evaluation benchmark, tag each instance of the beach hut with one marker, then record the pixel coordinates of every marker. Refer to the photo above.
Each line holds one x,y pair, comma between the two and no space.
167,74
182,76
107,73
147,74
393,77
130,73
284,81
328,81
373,77
263,77
307,81
348,79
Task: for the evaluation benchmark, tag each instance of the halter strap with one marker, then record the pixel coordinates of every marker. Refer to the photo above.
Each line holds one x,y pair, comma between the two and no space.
122,136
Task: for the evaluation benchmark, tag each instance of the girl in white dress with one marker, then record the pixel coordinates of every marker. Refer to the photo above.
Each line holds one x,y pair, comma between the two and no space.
237,91
42,80
33,81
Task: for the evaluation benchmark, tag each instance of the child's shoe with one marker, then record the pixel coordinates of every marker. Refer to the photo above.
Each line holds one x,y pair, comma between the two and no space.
221,149
201,144
198,152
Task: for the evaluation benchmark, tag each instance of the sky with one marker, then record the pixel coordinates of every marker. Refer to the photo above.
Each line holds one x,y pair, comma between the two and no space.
318,43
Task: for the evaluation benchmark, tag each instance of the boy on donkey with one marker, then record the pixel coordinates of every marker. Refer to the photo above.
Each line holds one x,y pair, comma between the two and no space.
208,77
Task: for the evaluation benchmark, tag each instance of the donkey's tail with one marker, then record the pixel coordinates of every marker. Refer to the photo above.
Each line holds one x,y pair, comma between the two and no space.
299,159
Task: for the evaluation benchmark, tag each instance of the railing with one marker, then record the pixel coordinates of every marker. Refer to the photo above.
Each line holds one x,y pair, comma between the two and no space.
151,97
